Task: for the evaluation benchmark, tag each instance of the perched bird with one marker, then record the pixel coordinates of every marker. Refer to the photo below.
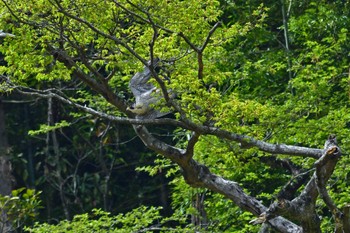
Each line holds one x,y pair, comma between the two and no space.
146,94
5,34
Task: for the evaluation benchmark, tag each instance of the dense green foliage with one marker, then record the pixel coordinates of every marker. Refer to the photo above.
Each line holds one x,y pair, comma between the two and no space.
276,71
21,207
138,220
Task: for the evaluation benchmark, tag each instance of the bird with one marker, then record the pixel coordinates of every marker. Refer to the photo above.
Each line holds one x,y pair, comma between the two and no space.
5,34
146,94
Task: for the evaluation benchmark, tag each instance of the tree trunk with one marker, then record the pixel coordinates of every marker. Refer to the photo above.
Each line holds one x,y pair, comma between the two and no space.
5,169
5,166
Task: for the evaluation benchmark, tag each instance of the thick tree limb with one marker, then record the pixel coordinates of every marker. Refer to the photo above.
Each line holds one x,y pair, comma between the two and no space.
261,145
324,168
198,175
346,218
305,203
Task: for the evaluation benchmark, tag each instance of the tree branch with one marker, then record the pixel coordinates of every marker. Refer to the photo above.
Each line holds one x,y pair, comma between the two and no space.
190,145
198,175
211,32
99,32
121,120
104,90
289,190
324,168
143,19
185,124
263,146
307,199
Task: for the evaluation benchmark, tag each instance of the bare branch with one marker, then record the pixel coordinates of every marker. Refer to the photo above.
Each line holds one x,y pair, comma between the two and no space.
190,146
121,120
200,65
211,32
198,50
143,19
289,190
286,40
102,89
84,59
198,175
324,168
316,186
151,44
263,146
194,47
100,32
173,153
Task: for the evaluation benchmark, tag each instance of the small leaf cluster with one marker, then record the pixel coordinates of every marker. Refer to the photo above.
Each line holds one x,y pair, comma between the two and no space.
21,207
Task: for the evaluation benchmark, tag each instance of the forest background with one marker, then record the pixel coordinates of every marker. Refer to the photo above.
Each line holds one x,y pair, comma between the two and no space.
253,89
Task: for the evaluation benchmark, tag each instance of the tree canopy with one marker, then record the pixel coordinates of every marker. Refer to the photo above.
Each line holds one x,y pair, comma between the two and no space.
256,96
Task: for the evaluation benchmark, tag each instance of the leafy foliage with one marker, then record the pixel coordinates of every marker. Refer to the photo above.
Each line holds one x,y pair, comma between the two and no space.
21,207
141,219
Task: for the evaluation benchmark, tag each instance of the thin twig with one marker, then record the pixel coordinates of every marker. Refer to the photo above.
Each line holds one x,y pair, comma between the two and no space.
100,32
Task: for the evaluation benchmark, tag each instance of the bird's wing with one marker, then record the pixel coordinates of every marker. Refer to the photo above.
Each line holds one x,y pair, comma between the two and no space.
145,93
4,34
139,84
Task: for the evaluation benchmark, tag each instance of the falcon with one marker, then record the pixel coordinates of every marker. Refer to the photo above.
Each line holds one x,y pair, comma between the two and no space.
146,94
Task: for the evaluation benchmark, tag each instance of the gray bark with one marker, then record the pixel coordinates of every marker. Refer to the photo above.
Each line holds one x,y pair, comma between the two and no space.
198,175
6,178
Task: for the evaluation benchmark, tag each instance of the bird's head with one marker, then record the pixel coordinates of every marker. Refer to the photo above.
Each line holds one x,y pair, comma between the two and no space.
139,109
